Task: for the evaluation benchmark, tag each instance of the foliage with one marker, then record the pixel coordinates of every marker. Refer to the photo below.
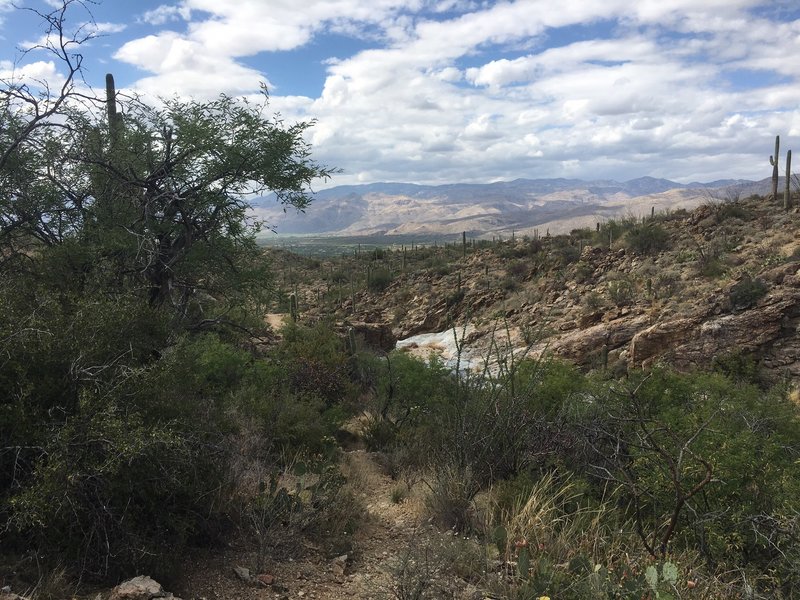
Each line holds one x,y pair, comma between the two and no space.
379,279
666,437
564,252
647,238
746,292
123,244
621,291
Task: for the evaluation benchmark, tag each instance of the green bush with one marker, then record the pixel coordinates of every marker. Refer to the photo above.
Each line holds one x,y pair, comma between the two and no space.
647,238
621,291
564,252
136,465
614,230
379,279
317,363
664,434
746,293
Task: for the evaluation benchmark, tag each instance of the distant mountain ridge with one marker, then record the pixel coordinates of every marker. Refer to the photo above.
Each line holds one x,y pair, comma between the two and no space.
492,208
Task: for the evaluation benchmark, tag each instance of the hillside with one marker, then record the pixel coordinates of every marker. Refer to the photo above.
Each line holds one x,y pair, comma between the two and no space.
690,288
522,205
333,467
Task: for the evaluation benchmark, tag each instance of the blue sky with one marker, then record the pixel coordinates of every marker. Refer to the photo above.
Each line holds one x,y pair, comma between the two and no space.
442,91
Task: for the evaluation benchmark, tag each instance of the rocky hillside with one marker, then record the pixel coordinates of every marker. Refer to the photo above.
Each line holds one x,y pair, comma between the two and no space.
719,284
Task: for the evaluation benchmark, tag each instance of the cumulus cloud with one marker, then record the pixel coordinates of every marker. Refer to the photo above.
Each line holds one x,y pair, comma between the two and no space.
463,90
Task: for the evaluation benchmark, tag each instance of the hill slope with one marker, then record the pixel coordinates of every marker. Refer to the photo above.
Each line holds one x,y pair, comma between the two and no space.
719,283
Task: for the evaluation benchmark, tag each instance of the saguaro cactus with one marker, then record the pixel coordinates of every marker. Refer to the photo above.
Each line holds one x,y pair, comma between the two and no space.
787,193
351,341
293,307
114,118
773,160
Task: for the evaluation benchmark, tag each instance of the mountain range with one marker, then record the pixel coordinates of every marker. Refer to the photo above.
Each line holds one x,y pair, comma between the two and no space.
521,205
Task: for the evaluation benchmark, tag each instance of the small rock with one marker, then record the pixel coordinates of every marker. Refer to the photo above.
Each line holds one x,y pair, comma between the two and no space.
243,573
139,588
266,579
340,562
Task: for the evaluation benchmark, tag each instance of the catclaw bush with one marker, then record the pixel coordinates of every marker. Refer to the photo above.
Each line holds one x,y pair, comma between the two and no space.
647,238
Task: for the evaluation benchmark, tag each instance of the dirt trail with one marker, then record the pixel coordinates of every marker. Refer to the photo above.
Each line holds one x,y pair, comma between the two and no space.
378,545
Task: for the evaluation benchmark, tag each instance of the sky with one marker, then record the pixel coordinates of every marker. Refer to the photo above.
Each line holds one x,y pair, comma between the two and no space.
474,91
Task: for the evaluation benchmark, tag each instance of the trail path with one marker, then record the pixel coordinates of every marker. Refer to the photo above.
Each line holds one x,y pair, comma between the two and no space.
379,545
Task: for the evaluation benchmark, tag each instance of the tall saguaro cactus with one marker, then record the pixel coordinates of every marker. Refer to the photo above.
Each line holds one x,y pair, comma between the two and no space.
114,118
773,160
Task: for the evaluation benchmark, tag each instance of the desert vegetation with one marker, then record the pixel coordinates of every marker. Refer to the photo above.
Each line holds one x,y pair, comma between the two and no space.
149,412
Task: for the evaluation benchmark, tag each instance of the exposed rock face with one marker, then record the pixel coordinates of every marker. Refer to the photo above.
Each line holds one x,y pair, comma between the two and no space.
659,338
580,345
695,341
140,588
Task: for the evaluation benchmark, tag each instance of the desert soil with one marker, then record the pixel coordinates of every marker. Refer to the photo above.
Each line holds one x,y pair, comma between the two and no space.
378,546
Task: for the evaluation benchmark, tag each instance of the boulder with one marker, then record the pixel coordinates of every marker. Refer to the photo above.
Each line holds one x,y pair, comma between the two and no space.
582,344
140,588
657,339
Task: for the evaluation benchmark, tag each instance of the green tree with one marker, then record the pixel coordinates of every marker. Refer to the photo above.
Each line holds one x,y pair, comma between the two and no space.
120,241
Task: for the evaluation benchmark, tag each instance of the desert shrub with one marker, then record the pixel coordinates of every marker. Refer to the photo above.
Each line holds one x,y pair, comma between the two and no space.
583,233
731,210
547,385
746,293
647,238
379,432
379,279
439,267
309,497
725,449
583,271
339,276
665,285
527,248
407,391
593,301
519,269
137,466
739,366
560,543
710,257
621,291
613,230
455,297
316,362
564,252
430,566
449,501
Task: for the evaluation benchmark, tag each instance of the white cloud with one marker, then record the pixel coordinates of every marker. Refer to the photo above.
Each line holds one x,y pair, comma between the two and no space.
33,74
166,13
434,102
103,28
